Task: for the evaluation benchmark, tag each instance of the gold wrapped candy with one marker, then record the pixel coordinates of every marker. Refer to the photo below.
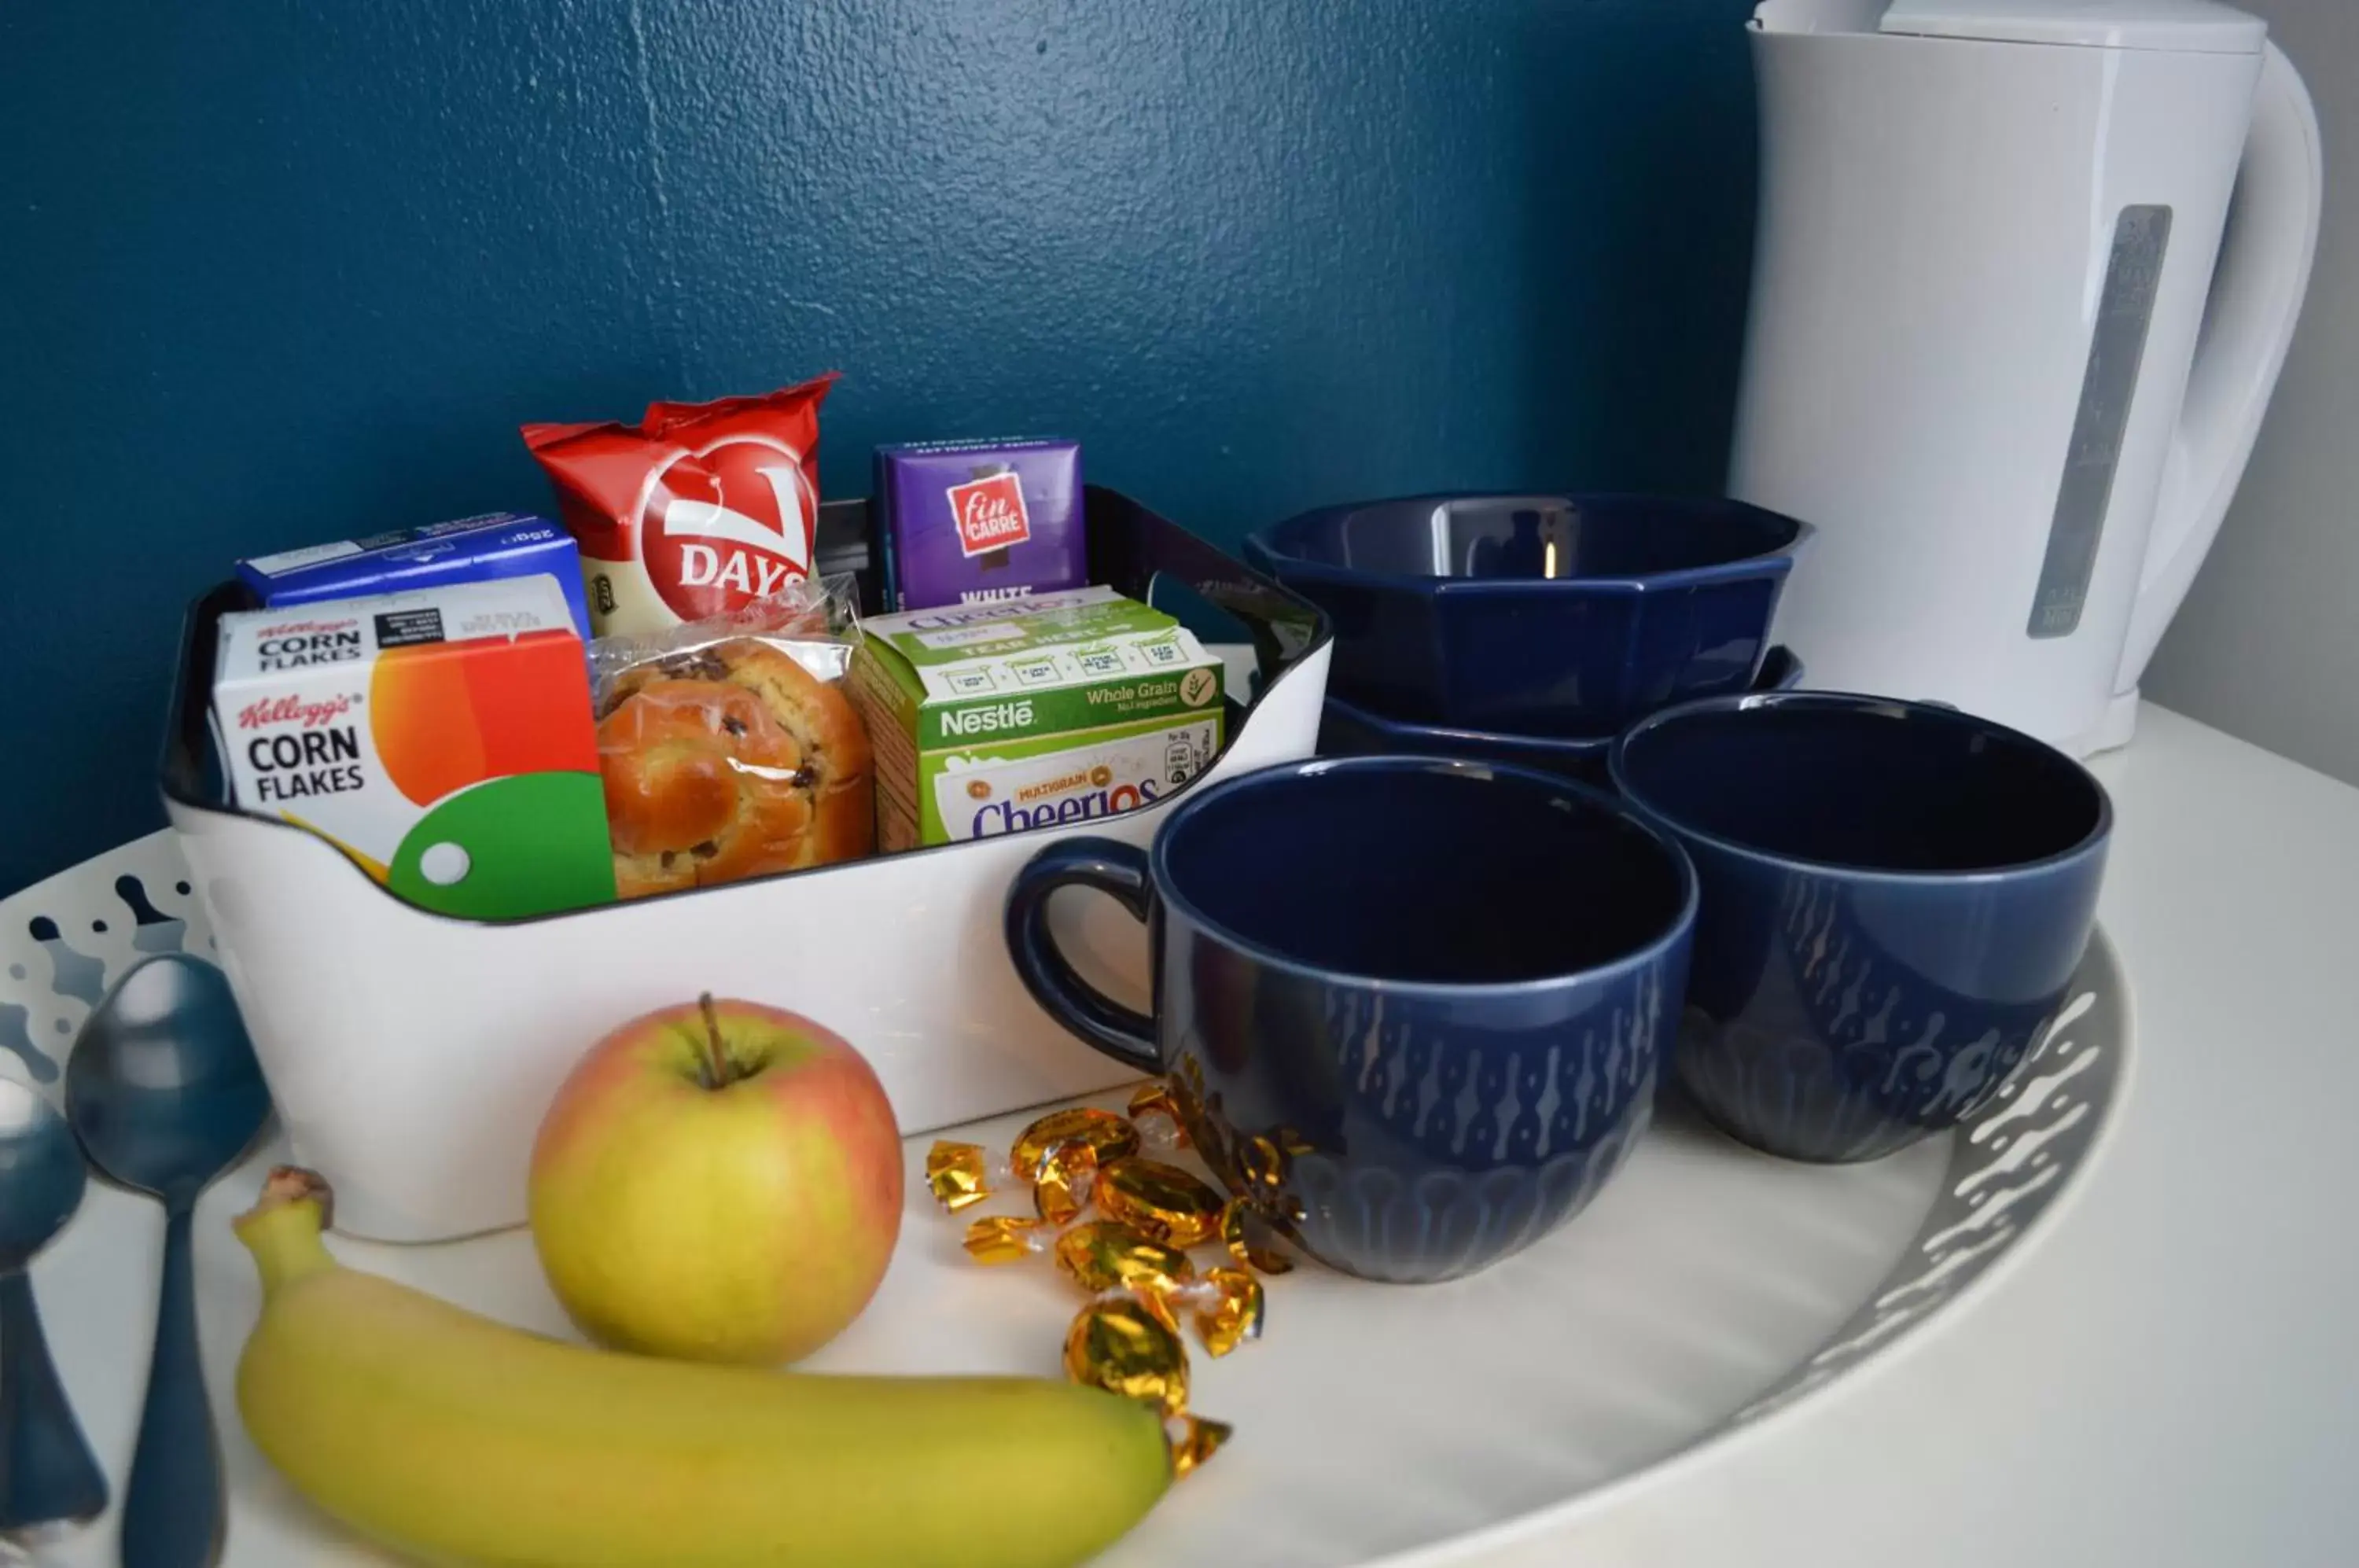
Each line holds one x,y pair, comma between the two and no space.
1126,1344
1233,1314
1063,1178
1154,1099
1105,1254
1160,1202
1193,1439
1003,1238
957,1174
1108,1136
1119,1224
1239,1229
1225,1305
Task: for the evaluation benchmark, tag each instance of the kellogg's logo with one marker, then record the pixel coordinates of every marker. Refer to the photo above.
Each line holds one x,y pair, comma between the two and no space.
990,514
727,524
292,709
296,629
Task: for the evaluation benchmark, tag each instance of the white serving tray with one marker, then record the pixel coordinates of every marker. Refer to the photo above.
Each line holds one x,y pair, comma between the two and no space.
1708,1288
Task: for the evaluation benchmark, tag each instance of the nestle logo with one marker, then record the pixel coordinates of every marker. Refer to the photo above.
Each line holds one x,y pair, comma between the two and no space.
293,711
990,514
983,721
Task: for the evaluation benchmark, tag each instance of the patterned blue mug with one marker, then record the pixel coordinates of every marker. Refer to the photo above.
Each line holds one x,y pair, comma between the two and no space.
1412,1009
1895,896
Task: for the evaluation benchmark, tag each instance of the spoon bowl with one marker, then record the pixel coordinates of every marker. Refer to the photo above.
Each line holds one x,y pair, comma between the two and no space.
163,1092
163,1088
47,1470
41,1174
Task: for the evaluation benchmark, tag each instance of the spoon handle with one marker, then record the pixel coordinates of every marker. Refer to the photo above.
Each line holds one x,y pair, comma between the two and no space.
172,1508
47,1471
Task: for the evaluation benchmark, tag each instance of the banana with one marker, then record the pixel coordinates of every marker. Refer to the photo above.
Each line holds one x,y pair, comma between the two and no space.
458,1440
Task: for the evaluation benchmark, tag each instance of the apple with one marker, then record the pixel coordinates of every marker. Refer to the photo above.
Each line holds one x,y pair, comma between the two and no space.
720,1182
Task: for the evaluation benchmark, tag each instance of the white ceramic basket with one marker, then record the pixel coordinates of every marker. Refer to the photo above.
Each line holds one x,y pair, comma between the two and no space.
412,1055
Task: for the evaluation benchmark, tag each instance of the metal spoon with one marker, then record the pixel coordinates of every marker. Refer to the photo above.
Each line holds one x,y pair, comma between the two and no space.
47,1471
165,1093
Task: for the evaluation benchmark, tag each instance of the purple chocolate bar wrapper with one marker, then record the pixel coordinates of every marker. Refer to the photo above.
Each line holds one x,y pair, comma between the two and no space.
928,563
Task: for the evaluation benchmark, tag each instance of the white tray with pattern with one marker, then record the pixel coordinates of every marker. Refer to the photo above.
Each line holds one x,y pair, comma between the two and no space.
1709,1289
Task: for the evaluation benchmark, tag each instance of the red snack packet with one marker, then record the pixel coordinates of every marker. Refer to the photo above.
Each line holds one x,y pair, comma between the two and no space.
697,510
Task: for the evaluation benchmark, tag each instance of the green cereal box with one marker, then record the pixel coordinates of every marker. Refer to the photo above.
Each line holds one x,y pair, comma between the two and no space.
1052,708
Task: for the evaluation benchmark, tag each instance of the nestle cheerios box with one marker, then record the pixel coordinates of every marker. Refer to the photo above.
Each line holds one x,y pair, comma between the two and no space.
1049,709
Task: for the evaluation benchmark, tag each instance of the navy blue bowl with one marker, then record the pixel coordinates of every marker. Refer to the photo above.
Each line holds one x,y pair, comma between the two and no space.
1537,614
1345,730
1894,899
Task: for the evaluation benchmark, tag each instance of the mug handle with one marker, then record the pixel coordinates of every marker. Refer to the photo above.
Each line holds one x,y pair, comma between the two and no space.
1110,866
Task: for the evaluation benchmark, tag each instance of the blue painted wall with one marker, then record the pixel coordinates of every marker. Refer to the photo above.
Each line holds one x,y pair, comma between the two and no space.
274,273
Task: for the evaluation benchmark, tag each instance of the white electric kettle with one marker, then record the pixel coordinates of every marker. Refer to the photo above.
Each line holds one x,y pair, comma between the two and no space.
2008,344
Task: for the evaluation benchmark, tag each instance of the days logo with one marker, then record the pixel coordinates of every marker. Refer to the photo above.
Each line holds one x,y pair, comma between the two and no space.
291,710
727,524
990,514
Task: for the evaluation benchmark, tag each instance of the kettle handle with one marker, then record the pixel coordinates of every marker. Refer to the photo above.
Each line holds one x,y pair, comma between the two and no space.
2256,291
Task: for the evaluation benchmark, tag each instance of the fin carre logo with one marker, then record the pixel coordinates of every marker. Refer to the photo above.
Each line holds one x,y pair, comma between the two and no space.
990,514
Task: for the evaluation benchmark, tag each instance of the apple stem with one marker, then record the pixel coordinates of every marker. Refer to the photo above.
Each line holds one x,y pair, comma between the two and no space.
717,1058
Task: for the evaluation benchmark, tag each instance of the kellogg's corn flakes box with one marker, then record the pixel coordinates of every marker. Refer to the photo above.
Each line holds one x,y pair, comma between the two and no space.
442,738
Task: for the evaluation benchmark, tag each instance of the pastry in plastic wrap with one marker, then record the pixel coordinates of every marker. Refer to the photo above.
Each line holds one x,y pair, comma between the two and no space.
728,761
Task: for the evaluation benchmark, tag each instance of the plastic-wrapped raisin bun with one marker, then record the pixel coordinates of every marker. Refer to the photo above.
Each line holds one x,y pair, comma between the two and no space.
729,762
729,749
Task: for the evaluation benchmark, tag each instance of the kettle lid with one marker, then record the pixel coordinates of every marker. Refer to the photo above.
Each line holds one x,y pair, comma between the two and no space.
2196,27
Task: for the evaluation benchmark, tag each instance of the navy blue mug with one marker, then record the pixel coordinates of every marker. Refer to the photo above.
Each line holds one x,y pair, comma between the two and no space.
1412,1009
1894,897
